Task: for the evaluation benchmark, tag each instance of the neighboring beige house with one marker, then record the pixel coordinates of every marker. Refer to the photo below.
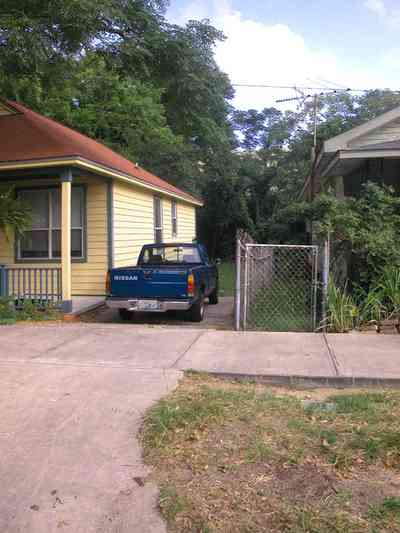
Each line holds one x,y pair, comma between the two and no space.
93,209
369,152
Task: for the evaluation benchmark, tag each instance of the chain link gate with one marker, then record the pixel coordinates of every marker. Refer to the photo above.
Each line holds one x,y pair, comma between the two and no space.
276,287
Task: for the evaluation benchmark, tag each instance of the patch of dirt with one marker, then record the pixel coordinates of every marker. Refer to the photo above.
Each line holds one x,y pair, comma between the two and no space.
306,483
370,488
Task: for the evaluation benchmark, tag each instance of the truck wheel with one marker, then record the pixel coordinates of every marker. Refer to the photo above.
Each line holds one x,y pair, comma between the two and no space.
196,312
213,298
124,314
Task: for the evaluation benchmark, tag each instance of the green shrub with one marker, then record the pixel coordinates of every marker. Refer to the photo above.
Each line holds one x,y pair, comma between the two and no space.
29,310
389,287
7,312
380,302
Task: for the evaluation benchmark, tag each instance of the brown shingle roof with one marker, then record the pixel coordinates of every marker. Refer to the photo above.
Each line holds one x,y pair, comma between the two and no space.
26,135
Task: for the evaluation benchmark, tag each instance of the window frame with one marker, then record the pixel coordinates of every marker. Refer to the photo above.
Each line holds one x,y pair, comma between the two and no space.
174,218
50,228
157,200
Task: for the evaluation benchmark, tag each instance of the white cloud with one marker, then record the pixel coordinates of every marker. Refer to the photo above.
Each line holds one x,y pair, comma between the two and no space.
376,6
256,52
391,17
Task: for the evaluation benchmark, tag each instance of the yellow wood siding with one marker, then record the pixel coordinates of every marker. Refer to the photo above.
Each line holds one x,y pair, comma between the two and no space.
186,222
134,222
88,278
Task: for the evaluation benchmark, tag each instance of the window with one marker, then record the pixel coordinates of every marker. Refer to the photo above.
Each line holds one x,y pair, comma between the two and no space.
174,219
43,240
158,225
170,254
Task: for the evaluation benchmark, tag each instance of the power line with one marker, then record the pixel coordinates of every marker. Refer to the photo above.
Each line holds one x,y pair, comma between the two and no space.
272,86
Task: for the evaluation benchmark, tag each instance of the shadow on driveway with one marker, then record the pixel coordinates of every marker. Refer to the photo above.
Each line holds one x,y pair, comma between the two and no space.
218,316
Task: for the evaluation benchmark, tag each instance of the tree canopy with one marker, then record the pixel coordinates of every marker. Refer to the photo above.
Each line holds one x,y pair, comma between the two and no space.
118,71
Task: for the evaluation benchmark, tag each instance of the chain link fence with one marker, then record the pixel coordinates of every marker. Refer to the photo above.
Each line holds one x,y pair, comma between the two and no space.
276,286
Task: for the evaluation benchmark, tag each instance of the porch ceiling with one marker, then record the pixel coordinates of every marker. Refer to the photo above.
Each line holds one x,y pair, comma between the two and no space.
343,162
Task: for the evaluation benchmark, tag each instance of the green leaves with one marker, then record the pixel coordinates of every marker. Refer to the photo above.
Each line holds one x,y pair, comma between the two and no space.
15,215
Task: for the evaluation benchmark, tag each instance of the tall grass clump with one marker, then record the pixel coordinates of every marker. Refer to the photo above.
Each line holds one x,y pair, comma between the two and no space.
342,311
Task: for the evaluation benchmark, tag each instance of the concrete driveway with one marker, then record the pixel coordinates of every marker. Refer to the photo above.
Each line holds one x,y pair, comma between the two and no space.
72,398
71,402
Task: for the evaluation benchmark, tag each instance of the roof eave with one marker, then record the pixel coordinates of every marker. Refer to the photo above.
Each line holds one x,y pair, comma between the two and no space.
98,169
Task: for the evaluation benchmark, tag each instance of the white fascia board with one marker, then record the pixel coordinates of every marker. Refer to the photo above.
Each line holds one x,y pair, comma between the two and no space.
340,141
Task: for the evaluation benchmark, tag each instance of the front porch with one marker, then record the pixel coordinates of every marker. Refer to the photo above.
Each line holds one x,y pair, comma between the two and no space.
64,257
42,287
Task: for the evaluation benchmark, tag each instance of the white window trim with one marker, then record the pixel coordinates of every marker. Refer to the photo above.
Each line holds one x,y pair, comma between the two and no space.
174,218
157,198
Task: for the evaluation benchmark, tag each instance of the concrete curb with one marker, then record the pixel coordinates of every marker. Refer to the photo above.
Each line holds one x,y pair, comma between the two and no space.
310,381
84,310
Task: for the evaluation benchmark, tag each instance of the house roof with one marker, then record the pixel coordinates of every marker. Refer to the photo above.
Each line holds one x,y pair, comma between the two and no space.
376,138
32,139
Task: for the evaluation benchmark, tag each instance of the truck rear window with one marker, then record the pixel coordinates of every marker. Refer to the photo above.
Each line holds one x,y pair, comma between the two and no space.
171,255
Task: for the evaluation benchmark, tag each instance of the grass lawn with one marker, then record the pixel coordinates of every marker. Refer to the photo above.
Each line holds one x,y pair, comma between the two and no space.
226,279
242,457
283,306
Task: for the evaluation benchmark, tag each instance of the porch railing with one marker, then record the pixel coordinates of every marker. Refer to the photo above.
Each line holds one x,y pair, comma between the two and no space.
41,286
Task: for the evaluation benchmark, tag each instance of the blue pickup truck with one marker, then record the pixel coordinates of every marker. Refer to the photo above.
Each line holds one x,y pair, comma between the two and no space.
167,277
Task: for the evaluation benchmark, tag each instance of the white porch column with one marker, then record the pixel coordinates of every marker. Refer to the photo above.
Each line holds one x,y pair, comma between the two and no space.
66,180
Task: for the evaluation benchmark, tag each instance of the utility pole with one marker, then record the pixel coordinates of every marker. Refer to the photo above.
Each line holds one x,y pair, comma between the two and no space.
304,97
313,149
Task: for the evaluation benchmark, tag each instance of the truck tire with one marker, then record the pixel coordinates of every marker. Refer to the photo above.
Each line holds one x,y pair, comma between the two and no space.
196,312
124,314
213,298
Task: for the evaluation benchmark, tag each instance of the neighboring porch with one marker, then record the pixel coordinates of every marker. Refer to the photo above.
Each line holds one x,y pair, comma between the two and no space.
369,152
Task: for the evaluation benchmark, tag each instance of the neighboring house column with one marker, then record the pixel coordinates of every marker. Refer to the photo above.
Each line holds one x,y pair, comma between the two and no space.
66,180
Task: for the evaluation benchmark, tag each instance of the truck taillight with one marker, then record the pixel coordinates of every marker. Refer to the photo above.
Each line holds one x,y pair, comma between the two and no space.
108,283
190,285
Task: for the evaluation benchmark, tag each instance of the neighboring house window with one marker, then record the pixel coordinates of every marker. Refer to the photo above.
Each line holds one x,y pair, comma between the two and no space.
158,225
174,218
43,240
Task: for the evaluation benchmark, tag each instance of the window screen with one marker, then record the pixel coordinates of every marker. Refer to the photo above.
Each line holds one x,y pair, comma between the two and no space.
158,222
174,218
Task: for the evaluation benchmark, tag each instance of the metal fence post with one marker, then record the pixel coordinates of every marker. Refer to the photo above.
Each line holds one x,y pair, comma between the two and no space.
237,293
246,274
315,286
325,281
3,281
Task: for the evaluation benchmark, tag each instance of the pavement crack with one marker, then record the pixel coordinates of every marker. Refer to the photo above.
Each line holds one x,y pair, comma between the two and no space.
332,356
57,346
187,349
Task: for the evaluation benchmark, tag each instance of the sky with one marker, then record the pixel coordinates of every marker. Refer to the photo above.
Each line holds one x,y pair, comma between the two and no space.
346,43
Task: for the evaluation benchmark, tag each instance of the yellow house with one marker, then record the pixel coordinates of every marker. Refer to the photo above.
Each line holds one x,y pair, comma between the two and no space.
93,210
